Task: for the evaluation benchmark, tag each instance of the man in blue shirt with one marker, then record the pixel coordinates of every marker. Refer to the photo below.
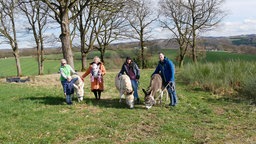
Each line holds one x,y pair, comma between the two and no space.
166,69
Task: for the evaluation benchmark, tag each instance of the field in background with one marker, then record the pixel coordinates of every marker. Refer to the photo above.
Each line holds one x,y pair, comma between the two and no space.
113,60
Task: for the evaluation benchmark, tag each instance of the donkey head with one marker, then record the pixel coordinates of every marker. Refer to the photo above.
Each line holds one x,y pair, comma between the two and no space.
148,99
130,100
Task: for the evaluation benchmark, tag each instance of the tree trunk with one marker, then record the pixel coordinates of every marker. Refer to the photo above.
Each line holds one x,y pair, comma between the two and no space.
142,55
194,47
38,58
142,49
102,52
66,40
42,54
84,61
83,53
181,60
17,60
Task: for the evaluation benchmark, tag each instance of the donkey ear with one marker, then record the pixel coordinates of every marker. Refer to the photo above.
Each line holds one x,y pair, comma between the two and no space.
75,86
145,92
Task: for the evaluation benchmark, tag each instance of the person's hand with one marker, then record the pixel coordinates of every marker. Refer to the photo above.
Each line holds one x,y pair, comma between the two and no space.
137,77
82,78
171,83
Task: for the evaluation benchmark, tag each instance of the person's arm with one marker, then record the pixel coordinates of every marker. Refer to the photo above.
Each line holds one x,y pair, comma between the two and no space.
172,67
102,70
63,74
156,70
74,80
137,72
72,70
75,86
88,71
121,71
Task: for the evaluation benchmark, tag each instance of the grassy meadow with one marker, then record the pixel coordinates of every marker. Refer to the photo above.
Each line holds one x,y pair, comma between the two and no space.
35,112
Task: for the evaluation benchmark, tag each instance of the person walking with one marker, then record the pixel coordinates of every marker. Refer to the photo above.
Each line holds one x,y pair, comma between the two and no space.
97,71
131,69
166,69
65,71
69,89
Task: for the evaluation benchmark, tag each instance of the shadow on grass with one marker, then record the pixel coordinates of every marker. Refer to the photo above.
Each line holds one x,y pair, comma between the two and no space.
104,103
110,103
48,100
225,99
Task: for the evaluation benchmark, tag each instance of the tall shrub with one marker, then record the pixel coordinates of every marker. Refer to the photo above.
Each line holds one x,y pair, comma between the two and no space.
221,78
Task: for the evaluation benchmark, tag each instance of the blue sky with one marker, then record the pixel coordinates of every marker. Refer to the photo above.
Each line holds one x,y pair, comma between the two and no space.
241,19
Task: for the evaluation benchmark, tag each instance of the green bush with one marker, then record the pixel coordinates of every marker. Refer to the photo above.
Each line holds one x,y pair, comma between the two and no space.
248,88
220,78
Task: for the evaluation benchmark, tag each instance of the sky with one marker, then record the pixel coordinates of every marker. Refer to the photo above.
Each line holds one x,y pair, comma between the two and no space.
241,19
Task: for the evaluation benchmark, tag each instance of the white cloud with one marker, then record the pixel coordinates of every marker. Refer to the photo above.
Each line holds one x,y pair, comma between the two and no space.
240,20
247,26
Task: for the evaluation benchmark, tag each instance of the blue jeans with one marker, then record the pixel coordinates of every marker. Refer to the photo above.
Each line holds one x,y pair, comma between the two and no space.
63,83
135,88
172,95
68,99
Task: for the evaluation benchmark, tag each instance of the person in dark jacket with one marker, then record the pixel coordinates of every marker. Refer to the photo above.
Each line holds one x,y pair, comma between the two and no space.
131,69
166,69
69,89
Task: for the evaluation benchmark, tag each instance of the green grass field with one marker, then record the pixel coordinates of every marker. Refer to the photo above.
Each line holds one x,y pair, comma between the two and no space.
38,114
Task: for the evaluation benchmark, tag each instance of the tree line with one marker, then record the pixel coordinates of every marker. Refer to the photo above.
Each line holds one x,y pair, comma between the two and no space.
99,23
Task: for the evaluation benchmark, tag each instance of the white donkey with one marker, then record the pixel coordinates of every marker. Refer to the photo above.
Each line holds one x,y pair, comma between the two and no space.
79,88
124,86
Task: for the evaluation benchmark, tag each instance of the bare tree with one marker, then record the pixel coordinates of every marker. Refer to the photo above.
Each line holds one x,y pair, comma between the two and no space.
84,24
36,13
8,28
140,15
172,13
205,14
201,15
90,23
62,10
110,25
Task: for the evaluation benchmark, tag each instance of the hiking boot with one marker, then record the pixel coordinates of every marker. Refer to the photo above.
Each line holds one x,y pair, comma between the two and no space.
172,105
137,100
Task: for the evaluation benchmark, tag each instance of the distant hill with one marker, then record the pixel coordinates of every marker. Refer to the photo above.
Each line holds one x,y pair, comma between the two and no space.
249,40
237,44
